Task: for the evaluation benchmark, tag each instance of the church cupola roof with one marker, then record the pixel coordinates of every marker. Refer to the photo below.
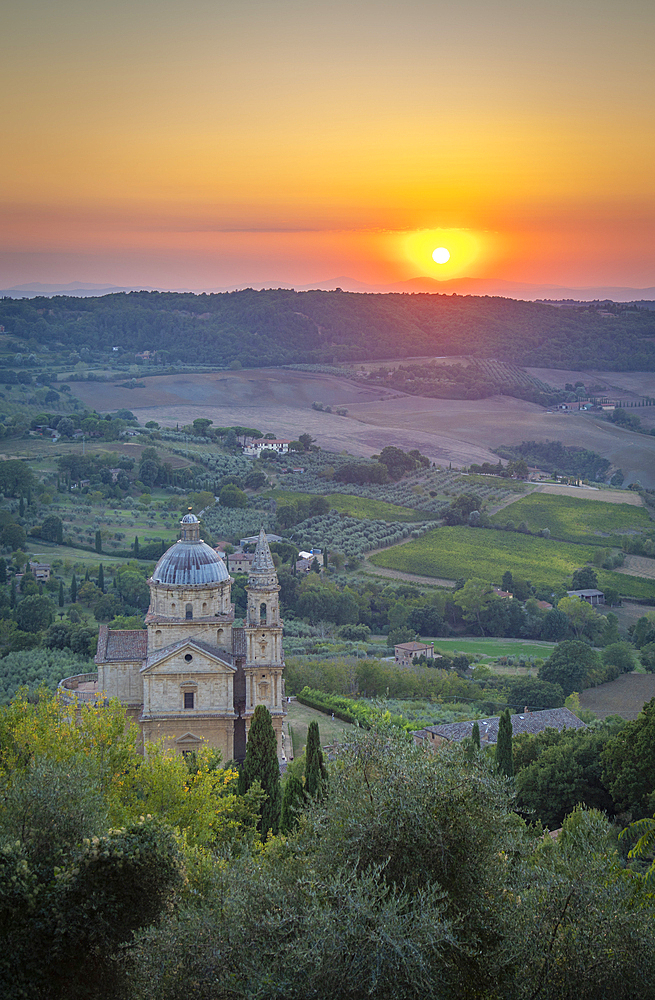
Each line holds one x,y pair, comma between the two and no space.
263,560
190,562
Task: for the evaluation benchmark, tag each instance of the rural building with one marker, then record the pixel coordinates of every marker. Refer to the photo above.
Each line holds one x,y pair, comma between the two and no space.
191,677
528,722
590,596
41,571
405,652
240,562
255,448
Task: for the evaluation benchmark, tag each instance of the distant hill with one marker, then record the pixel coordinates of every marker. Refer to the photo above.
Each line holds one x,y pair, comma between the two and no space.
282,326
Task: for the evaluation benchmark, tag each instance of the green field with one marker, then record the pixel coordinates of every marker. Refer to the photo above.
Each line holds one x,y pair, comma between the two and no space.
298,718
452,553
588,522
358,506
493,648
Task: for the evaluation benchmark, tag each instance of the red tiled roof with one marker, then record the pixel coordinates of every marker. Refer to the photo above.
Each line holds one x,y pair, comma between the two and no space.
122,644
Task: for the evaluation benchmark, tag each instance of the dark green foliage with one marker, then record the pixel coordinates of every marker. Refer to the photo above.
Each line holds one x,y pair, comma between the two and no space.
572,665
504,758
315,770
293,799
621,655
232,496
136,547
3,571
261,764
61,598
567,460
647,657
52,529
584,579
73,589
33,614
98,541
101,578
555,626
16,477
557,770
33,668
50,807
460,508
533,693
475,735
279,326
629,764
61,935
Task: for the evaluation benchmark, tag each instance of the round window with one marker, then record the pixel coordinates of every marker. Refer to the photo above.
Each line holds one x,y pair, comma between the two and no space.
188,657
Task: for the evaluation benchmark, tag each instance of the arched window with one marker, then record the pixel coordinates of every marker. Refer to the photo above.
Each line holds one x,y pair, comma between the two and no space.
219,637
189,611
262,613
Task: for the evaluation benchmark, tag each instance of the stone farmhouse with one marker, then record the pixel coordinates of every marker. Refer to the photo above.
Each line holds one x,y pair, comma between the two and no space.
191,676
404,652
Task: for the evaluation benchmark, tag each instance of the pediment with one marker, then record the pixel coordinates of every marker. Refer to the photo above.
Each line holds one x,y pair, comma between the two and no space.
189,656
189,740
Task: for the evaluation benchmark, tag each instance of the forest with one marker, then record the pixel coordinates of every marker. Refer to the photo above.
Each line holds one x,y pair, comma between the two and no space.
281,326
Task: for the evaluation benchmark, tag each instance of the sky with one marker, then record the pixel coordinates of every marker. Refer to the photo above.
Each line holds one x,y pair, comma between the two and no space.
204,144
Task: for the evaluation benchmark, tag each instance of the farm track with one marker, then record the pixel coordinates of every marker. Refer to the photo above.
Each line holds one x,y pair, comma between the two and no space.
396,574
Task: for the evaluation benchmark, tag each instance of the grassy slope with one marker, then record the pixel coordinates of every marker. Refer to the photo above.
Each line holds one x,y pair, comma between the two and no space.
588,522
467,552
358,506
299,716
494,648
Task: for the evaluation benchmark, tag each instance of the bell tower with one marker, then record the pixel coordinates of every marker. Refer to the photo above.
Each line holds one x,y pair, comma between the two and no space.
263,633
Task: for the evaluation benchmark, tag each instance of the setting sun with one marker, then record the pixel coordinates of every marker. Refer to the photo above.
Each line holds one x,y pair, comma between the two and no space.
441,255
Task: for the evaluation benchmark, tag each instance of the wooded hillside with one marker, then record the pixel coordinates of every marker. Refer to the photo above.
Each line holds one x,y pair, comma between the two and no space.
282,326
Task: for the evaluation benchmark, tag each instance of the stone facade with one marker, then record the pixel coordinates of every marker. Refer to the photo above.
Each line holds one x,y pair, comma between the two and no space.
191,677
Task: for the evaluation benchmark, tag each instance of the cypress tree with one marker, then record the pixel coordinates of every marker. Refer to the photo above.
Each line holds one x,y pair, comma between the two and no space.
101,578
293,800
504,755
61,594
21,506
12,593
136,546
315,771
3,570
475,735
86,576
60,531
261,764
73,589
98,541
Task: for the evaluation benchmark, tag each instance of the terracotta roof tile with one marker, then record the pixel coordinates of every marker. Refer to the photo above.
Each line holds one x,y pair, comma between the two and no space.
124,644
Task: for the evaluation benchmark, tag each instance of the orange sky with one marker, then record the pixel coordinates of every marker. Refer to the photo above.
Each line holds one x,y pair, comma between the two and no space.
206,144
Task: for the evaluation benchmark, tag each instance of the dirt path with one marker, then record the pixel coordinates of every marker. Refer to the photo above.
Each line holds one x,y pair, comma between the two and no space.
395,574
510,500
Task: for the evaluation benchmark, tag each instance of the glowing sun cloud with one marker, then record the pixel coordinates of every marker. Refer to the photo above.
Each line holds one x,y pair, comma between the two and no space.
444,253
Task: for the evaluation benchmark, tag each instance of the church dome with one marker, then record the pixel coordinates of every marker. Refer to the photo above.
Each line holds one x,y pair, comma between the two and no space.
190,563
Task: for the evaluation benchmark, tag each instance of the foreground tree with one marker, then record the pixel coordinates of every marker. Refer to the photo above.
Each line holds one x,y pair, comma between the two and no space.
504,758
315,770
261,765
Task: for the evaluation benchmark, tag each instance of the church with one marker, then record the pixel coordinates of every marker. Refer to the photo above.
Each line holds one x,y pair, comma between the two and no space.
191,677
